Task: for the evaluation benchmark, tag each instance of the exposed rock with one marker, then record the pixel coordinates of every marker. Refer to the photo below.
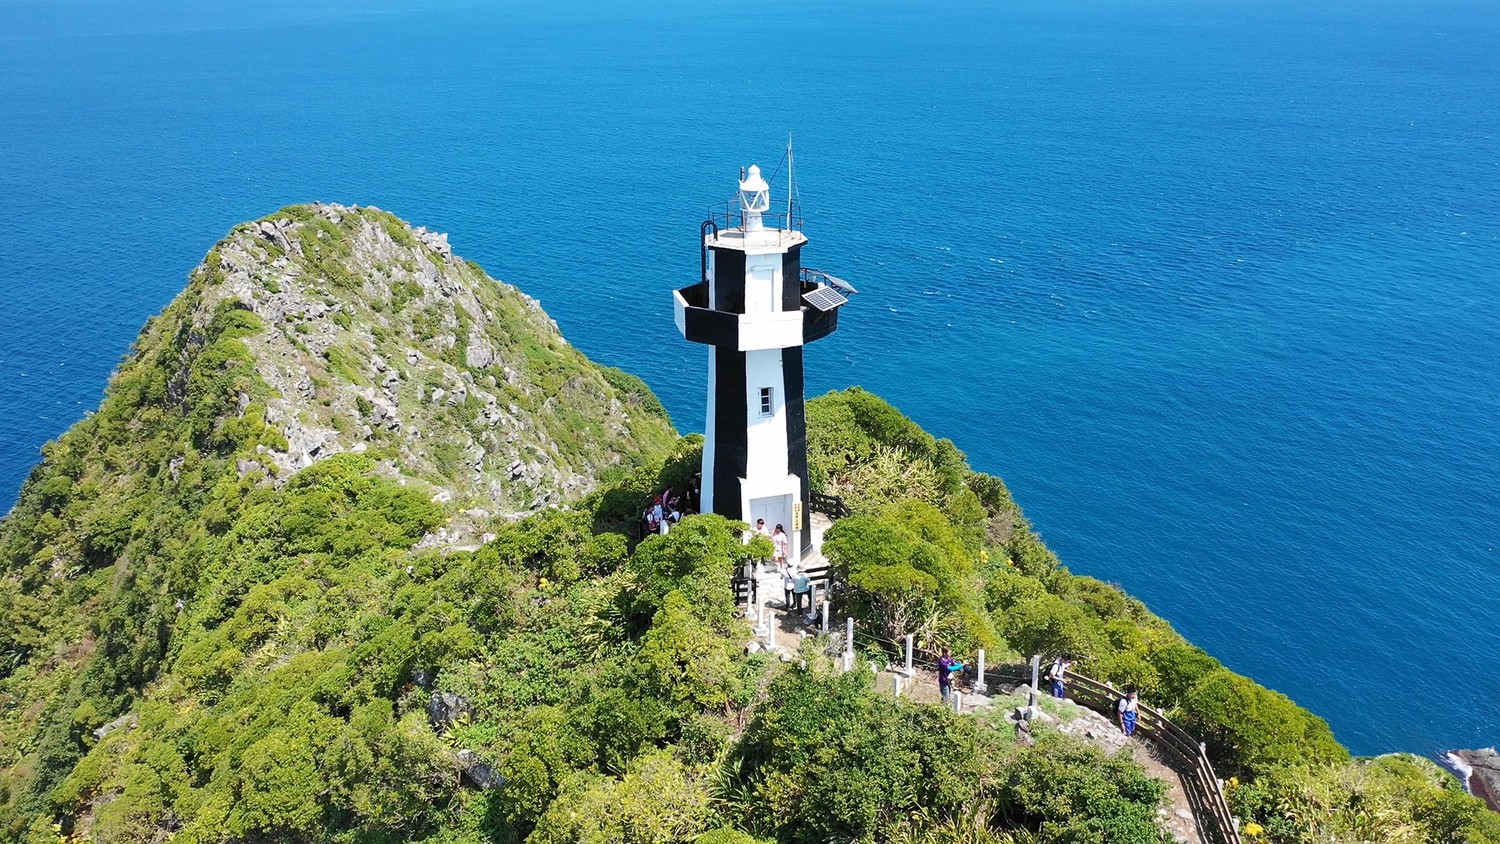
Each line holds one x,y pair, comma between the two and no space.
374,335
1094,728
1480,771
446,708
1024,735
477,771
129,720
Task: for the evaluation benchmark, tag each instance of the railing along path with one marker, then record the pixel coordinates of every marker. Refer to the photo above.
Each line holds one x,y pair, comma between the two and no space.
1183,753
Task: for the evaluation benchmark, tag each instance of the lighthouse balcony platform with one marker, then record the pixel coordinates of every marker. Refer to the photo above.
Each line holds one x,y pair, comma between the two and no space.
698,323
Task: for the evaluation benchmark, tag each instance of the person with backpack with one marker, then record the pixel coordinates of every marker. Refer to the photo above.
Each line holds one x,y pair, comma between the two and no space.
1127,709
1058,674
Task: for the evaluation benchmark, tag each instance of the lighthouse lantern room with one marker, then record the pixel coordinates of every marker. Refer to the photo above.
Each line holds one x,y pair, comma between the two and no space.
755,307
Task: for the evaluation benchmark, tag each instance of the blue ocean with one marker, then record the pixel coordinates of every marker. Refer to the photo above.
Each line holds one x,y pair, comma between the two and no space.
1215,286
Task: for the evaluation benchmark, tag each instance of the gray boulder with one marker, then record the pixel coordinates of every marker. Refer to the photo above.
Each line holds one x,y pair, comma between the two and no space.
478,772
445,708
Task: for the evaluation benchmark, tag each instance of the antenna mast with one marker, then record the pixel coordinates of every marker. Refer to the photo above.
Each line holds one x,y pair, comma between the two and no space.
790,222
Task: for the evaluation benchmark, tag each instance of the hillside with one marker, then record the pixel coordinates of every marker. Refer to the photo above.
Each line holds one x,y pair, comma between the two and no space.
301,579
318,331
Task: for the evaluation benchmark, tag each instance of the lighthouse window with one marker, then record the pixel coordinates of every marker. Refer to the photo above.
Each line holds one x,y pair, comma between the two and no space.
765,401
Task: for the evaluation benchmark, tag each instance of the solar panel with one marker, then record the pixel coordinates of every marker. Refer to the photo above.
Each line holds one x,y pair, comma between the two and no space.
825,298
842,285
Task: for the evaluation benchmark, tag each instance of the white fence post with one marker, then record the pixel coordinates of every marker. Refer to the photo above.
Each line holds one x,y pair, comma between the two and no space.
771,634
979,686
825,616
849,643
896,682
1036,678
909,640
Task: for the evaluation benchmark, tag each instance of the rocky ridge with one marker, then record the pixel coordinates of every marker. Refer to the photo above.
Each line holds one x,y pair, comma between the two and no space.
378,339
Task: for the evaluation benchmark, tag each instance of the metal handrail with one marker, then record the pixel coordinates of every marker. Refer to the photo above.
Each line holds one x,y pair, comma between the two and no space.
729,215
829,505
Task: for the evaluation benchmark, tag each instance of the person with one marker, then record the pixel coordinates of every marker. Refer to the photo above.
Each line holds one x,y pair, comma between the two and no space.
1058,674
947,667
783,544
656,510
787,584
760,529
1127,709
800,586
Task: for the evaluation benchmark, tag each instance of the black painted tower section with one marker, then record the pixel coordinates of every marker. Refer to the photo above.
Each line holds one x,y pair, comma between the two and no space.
731,451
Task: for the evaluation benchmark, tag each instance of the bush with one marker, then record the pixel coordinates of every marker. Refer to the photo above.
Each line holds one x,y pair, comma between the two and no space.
1250,729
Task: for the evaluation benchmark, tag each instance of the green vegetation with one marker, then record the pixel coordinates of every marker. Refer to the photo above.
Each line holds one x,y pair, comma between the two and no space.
955,562
199,644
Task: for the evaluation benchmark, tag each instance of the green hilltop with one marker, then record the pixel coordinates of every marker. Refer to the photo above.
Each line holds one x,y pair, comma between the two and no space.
347,554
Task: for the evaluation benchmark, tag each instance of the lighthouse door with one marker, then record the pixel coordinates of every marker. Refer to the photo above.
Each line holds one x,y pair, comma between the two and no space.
776,510
764,508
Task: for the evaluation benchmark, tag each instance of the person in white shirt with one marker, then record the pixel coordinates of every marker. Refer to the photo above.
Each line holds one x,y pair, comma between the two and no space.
1058,674
1127,709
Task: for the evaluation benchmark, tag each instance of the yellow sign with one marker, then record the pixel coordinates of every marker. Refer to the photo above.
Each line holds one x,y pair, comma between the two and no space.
797,516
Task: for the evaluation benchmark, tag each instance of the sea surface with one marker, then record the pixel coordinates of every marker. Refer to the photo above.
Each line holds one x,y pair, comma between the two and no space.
1214,285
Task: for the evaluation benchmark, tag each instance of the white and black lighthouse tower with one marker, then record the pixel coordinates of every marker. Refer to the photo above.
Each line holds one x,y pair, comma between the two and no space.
755,307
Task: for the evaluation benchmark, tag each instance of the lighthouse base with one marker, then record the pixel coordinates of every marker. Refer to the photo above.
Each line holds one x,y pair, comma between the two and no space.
779,502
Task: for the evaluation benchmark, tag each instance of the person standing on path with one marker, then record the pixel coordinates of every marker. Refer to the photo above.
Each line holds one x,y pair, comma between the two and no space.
787,583
1058,674
782,544
762,530
946,666
1127,708
800,587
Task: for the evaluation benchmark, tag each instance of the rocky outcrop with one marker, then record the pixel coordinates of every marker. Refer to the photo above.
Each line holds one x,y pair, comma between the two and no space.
1480,770
477,772
446,709
377,339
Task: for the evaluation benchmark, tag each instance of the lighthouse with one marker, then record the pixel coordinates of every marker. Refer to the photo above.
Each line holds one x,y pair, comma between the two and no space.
755,307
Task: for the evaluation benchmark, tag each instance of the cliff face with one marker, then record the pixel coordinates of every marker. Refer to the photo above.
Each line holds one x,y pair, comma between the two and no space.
332,389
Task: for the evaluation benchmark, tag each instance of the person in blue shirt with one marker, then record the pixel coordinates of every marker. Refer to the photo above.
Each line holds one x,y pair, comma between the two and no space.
801,585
